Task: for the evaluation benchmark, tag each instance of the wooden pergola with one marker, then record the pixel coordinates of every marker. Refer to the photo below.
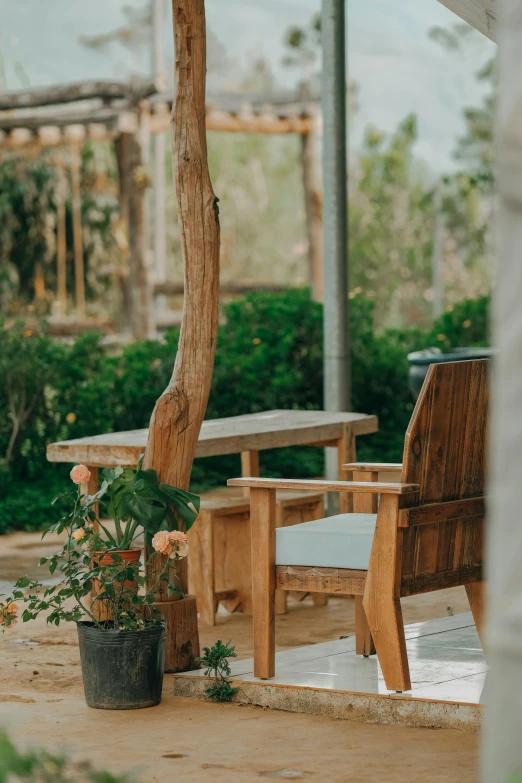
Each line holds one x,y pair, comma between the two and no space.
65,117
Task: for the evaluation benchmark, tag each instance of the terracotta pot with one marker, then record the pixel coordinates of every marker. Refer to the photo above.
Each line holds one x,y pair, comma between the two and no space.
101,609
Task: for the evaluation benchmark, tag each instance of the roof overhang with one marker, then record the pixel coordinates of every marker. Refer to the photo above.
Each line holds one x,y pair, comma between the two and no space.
480,14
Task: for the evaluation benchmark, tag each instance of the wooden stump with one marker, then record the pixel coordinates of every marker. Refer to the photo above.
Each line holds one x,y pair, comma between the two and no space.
182,638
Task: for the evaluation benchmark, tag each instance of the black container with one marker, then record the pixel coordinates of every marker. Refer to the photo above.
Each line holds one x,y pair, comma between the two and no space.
122,670
421,360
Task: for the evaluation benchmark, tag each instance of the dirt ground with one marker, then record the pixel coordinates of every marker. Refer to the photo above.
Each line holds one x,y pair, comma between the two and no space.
41,702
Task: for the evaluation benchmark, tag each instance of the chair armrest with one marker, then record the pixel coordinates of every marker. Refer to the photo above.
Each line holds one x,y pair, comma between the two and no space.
320,485
374,467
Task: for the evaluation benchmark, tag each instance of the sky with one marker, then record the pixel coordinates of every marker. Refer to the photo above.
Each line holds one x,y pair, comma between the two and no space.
397,68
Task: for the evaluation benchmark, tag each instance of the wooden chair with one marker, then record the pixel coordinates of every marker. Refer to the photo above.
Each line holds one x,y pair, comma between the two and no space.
427,533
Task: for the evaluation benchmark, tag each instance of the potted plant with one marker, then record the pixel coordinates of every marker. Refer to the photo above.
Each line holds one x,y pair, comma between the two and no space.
103,587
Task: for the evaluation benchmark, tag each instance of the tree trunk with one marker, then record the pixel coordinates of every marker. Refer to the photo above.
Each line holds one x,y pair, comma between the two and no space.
179,412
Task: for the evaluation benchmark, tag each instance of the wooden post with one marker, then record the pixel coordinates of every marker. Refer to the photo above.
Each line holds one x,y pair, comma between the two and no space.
79,273
179,412
249,467
313,201
133,184
262,523
61,241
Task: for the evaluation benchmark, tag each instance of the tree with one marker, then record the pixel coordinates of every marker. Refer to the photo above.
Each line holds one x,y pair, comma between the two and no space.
179,412
469,194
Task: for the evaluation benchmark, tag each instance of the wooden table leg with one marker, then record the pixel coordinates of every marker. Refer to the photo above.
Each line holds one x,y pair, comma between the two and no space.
345,453
201,566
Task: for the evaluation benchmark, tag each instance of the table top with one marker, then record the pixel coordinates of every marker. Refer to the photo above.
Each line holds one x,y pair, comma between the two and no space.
251,432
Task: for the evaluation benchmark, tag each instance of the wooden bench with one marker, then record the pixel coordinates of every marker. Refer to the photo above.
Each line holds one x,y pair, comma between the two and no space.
220,564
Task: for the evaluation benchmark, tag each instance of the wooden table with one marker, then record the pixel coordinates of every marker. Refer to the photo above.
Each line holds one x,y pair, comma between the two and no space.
246,435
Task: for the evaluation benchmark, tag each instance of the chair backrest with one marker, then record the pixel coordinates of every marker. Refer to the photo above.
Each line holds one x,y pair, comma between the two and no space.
445,453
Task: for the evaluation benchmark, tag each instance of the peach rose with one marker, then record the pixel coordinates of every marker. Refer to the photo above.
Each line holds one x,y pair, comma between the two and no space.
179,544
161,542
8,614
80,474
79,534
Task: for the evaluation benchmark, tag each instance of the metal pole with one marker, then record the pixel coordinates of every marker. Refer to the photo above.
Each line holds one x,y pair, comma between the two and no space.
437,255
336,334
159,208
336,342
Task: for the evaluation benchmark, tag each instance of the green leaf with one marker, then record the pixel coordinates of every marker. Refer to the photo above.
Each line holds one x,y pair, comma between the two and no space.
180,499
143,512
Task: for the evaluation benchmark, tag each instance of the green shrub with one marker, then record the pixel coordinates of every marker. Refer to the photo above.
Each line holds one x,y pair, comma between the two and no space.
269,355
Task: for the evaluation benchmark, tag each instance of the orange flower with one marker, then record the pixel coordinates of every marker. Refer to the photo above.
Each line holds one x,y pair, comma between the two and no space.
79,534
80,474
161,542
8,614
179,544
171,542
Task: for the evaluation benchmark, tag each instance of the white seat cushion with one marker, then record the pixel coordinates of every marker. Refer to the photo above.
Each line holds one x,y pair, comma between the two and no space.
341,541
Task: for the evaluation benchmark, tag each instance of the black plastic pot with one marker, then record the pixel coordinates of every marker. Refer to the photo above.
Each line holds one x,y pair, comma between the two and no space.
122,670
421,360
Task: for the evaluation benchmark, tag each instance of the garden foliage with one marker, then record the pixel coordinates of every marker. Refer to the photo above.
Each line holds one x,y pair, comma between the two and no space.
269,355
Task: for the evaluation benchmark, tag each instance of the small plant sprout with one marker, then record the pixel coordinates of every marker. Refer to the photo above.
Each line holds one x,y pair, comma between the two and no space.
215,662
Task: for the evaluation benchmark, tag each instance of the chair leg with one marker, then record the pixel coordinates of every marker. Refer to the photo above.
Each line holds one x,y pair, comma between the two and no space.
262,526
476,597
381,600
387,629
280,601
320,599
363,638
201,567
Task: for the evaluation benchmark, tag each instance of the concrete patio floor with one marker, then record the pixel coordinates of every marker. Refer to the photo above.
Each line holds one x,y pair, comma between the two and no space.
42,704
447,669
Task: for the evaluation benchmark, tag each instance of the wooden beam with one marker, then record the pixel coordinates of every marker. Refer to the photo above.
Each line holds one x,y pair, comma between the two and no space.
320,485
75,91
60,119
268,124
480,14
442,512
241,123
337,581
170,288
